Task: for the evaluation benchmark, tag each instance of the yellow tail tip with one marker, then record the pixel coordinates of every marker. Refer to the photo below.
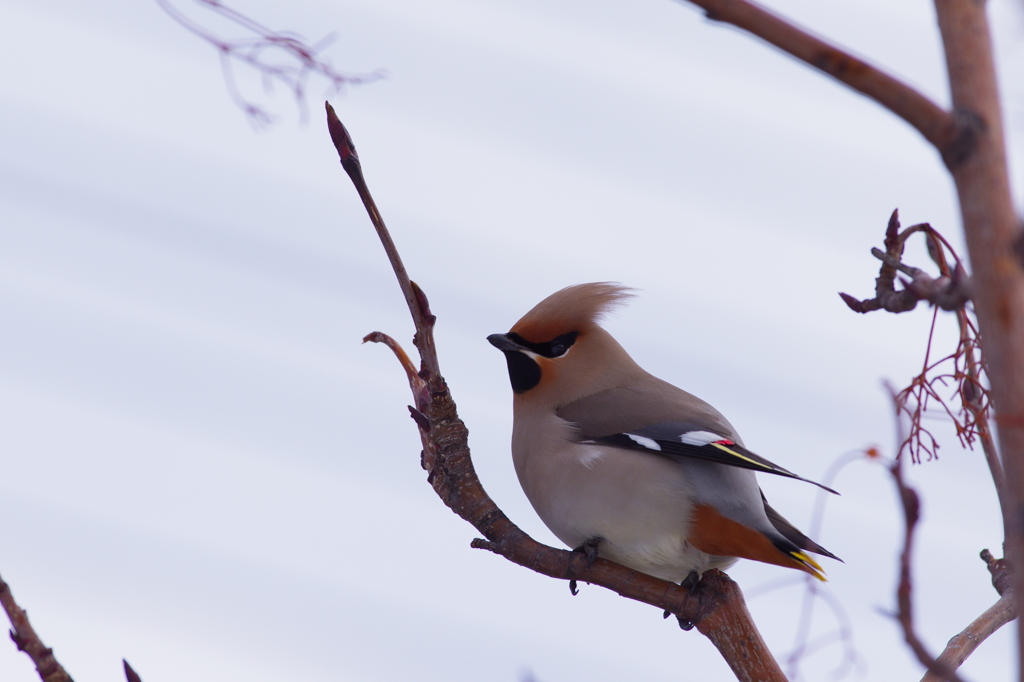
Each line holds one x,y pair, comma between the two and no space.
814,567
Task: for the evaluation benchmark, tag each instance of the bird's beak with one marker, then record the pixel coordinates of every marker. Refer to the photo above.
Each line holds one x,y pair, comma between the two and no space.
503,343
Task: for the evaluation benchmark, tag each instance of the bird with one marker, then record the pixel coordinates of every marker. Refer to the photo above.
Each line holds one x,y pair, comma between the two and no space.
613,458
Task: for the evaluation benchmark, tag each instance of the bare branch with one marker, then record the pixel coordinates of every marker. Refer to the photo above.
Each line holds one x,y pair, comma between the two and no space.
715,606
964,368
25,637
129,673
414,296
947,133
975,398
278,56
416,384
911,514
1001,570
963,644
950,291
992,230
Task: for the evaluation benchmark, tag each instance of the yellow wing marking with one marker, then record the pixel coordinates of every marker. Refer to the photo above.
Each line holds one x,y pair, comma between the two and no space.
760,465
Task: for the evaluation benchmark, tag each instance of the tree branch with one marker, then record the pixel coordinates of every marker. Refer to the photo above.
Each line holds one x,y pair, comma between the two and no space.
947,133
130,673
962,645
974,396
992,230
911,514
716,606
25,637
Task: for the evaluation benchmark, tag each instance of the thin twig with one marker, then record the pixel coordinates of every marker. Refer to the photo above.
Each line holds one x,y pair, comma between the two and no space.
720,614
975,398
414,297
130,673
25,637
911,504
302,60
948,291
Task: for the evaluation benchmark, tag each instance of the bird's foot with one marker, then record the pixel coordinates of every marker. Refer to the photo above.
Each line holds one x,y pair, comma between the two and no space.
691,580
695,593
589,551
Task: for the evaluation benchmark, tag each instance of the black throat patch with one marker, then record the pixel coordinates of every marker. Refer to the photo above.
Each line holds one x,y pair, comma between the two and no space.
523,372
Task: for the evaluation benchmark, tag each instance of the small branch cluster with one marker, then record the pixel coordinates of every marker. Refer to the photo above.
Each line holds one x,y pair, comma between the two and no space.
963,369
278,56
943,667
949,291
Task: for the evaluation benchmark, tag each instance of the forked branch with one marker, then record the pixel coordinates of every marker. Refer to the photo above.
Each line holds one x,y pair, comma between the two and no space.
949,291
721,614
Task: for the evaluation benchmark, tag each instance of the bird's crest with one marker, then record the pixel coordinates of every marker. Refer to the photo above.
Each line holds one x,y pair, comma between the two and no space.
573,309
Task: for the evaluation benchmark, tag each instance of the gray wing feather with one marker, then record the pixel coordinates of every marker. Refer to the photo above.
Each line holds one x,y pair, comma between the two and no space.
626,409
789,531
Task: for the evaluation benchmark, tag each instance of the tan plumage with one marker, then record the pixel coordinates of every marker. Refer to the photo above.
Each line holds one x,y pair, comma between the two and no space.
605,450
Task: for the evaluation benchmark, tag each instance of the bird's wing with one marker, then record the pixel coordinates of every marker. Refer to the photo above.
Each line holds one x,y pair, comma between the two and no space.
679,440
640,404
660,418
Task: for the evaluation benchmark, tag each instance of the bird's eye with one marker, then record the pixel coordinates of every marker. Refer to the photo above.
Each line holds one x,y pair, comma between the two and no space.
559,346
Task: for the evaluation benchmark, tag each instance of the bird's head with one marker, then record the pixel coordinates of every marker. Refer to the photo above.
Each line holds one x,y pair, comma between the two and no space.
558,353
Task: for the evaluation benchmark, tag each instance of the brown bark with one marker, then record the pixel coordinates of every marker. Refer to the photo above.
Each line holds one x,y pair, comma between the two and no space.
941,669
991,229
964,643
25,637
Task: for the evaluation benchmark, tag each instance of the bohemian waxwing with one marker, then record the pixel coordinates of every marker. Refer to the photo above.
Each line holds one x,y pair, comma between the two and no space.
609,454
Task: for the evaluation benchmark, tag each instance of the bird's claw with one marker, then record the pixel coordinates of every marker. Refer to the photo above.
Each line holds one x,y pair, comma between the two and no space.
589,551
705,601
691,580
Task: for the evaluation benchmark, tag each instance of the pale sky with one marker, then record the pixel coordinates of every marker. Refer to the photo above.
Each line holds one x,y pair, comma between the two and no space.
204,472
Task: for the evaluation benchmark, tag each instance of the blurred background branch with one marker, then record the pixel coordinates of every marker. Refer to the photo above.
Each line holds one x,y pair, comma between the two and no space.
279,57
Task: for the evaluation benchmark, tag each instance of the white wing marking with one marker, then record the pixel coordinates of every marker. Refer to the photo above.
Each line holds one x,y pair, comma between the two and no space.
699,437
648,443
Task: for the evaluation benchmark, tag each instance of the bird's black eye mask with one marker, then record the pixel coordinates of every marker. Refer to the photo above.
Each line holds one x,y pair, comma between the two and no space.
555,348
522,369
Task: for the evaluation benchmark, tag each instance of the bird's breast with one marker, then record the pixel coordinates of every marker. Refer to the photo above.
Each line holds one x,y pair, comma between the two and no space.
640,504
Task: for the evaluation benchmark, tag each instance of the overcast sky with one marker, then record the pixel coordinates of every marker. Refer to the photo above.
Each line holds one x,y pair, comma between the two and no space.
204,472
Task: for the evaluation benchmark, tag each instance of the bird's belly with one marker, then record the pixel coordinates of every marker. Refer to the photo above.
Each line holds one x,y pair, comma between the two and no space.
640,505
